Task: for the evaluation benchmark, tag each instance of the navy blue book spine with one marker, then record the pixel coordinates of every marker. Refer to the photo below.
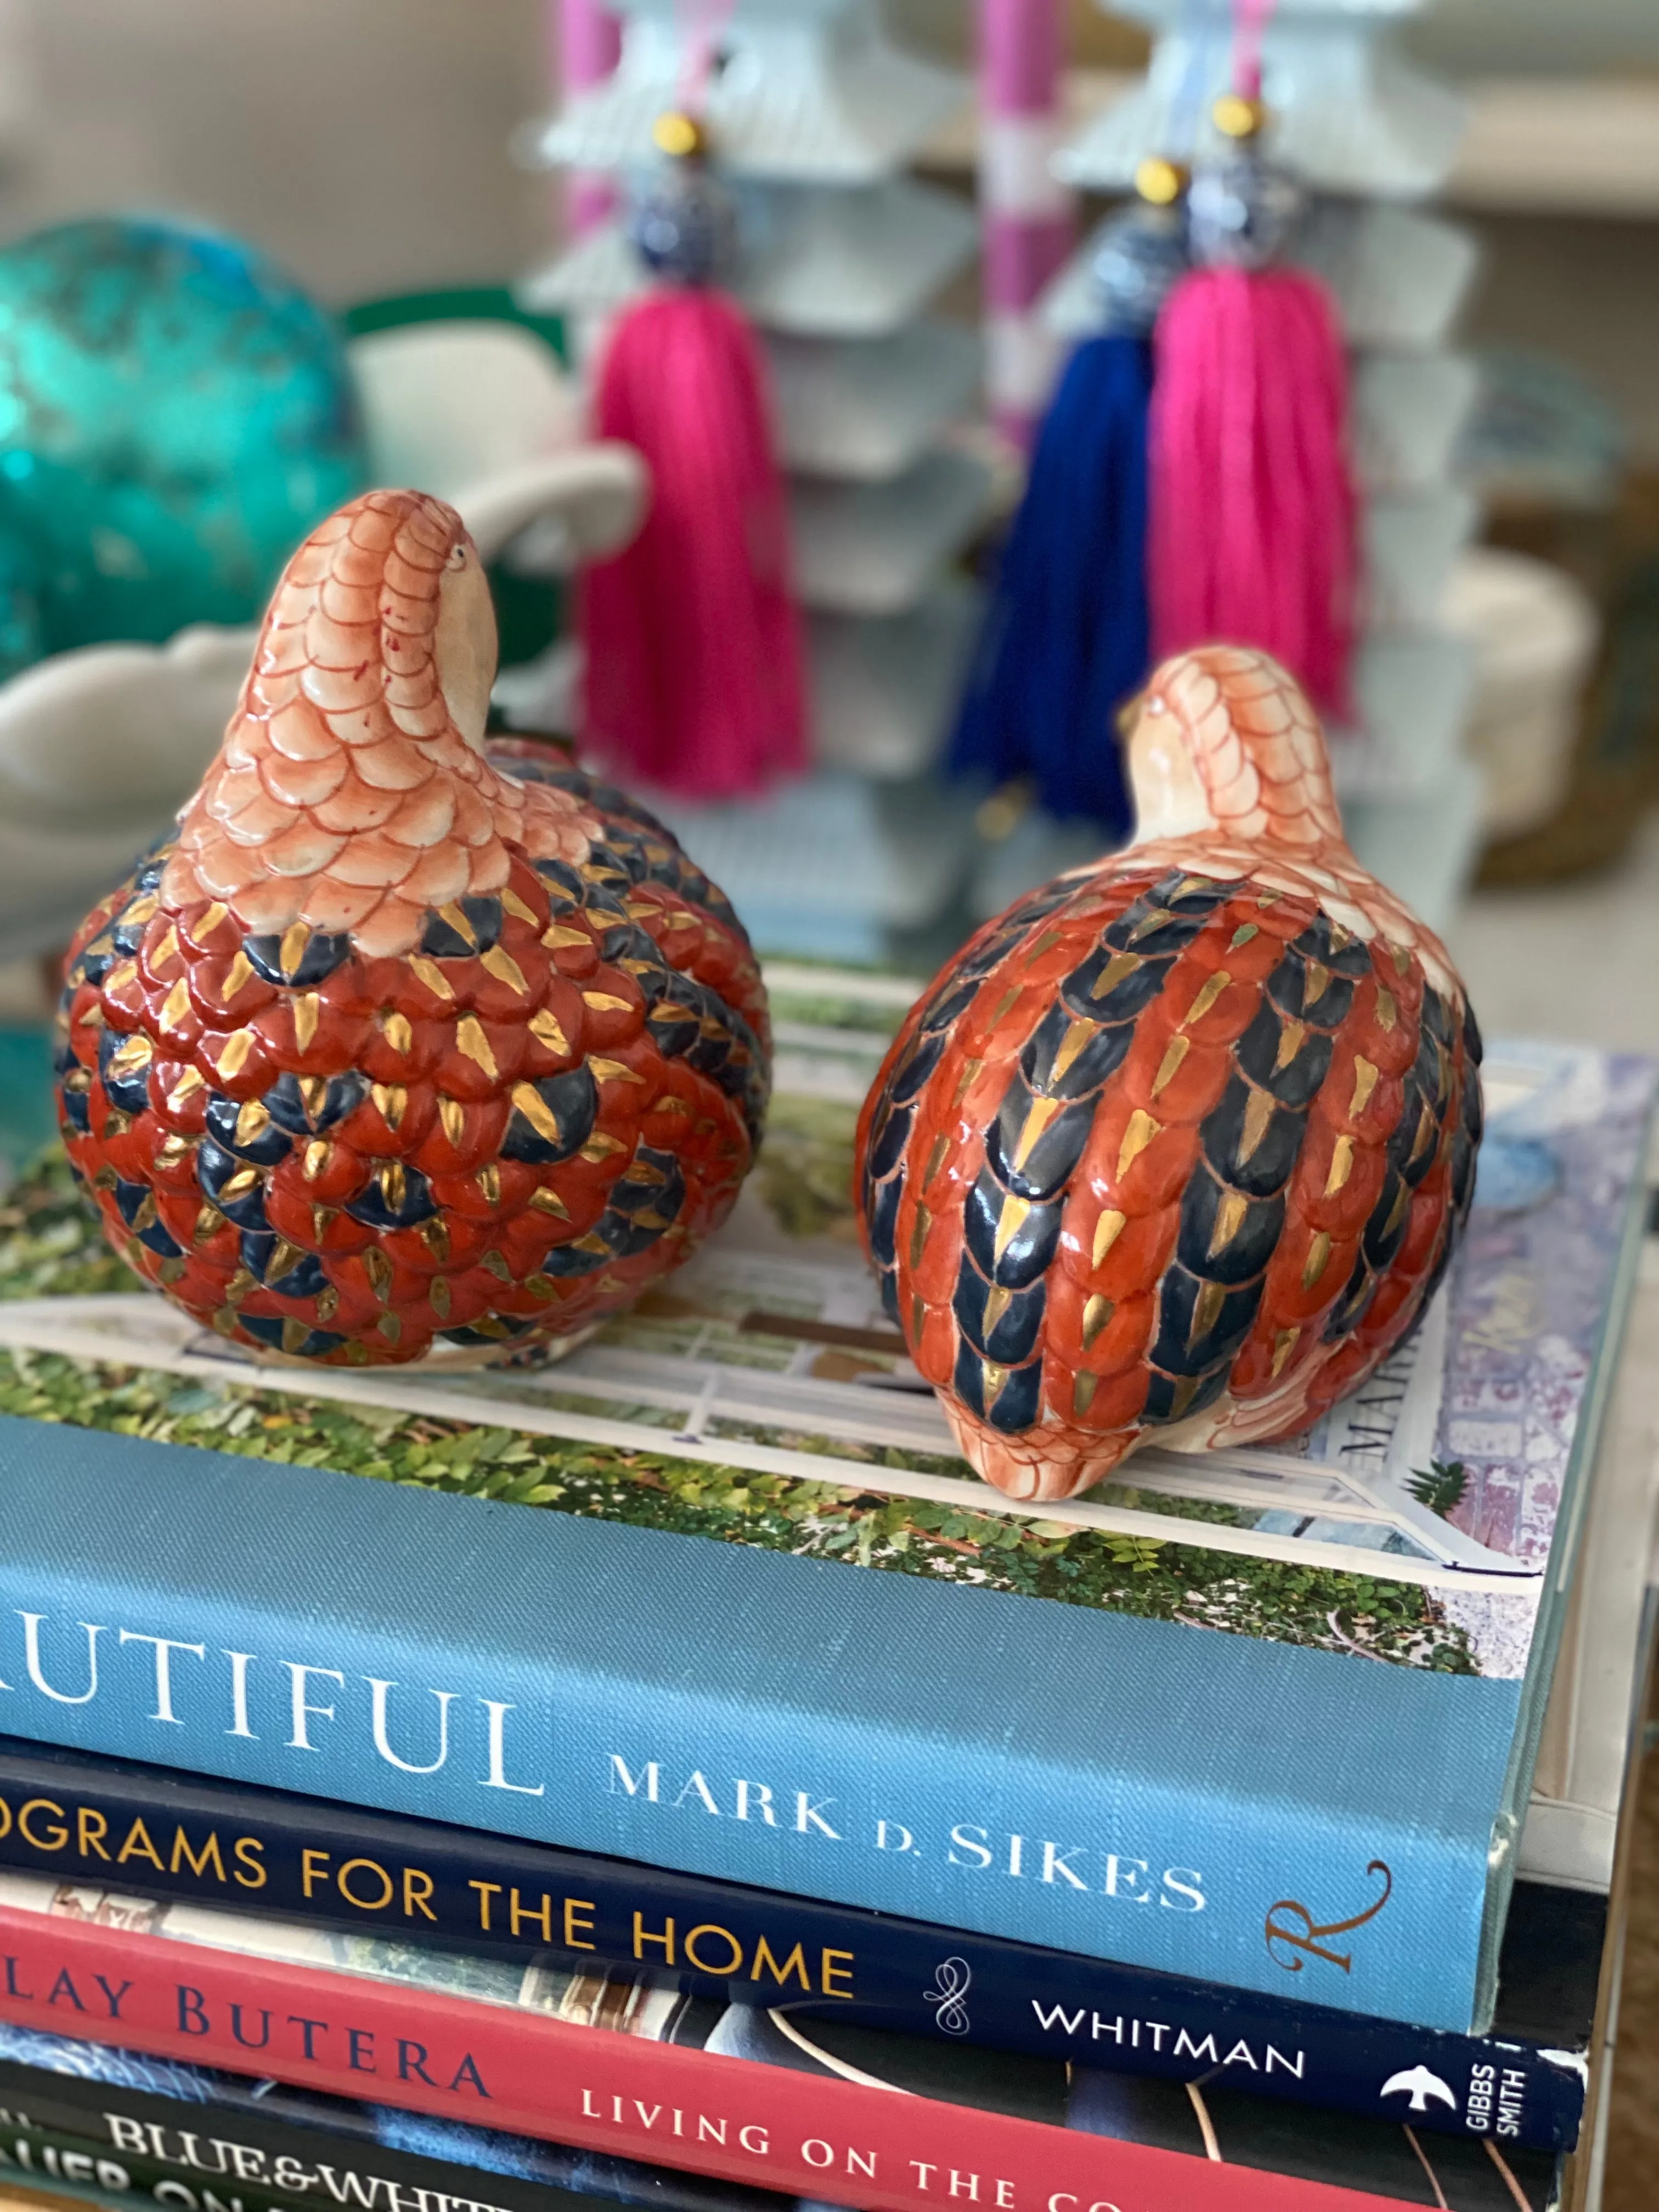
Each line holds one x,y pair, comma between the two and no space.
87,1818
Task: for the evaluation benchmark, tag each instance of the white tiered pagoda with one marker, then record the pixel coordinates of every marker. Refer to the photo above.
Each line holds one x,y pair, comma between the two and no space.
1369,136
813,114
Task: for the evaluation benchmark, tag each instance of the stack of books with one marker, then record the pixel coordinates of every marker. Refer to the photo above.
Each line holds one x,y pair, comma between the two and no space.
666,1777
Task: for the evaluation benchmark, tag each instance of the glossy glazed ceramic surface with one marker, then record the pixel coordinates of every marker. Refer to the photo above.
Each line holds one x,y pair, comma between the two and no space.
175,413
405,1039
1178,1147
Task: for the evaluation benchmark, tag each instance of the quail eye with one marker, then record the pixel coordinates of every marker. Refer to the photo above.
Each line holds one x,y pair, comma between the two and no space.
457,557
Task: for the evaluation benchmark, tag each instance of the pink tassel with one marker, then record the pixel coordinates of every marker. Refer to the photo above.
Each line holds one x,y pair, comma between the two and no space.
1252,531
691,638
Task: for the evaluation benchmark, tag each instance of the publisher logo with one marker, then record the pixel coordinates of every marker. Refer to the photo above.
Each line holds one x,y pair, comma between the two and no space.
1419,2085
951,1980
1293,1926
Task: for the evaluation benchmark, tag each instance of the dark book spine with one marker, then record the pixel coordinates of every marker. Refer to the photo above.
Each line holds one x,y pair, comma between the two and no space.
79,1818
280,2151
199,2158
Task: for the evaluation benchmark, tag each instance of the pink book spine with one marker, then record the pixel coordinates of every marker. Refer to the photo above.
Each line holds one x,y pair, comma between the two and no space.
1026,214
585,42
595,2088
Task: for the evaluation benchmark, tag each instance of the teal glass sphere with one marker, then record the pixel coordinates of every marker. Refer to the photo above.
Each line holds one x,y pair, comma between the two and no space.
175,414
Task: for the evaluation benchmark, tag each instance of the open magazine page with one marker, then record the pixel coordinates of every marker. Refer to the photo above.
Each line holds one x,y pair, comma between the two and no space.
761,1395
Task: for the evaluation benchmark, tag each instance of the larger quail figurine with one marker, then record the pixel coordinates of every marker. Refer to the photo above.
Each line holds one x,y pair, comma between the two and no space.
403,1040
1179,1147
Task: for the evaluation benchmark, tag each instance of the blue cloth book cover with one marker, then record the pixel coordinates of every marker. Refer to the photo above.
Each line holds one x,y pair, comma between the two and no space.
716,1594
72,1816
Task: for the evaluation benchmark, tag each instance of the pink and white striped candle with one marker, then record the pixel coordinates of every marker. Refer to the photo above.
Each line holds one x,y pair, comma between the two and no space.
586,43
1027,216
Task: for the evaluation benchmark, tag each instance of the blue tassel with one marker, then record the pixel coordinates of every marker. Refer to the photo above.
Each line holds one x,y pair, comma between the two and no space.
1064,639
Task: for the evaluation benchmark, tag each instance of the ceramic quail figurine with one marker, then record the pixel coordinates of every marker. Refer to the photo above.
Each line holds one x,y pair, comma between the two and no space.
403,1041
1177,1149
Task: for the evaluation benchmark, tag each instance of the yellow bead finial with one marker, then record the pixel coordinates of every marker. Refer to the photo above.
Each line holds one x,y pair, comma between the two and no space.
1158,181
1236,115
680,136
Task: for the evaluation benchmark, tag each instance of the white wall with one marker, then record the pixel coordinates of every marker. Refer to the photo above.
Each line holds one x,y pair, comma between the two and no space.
364,142
1564,37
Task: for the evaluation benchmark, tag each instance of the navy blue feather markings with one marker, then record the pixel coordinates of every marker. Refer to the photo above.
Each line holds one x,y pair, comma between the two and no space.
1158,1144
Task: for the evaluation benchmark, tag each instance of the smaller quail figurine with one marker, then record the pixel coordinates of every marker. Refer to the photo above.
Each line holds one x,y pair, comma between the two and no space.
1178,1148
403,1040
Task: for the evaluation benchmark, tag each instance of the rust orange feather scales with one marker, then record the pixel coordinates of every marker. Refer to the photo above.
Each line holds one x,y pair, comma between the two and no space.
1177,1149
404,1040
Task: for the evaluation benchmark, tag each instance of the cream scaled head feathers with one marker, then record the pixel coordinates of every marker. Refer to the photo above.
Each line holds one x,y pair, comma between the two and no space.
351,792
1225,739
